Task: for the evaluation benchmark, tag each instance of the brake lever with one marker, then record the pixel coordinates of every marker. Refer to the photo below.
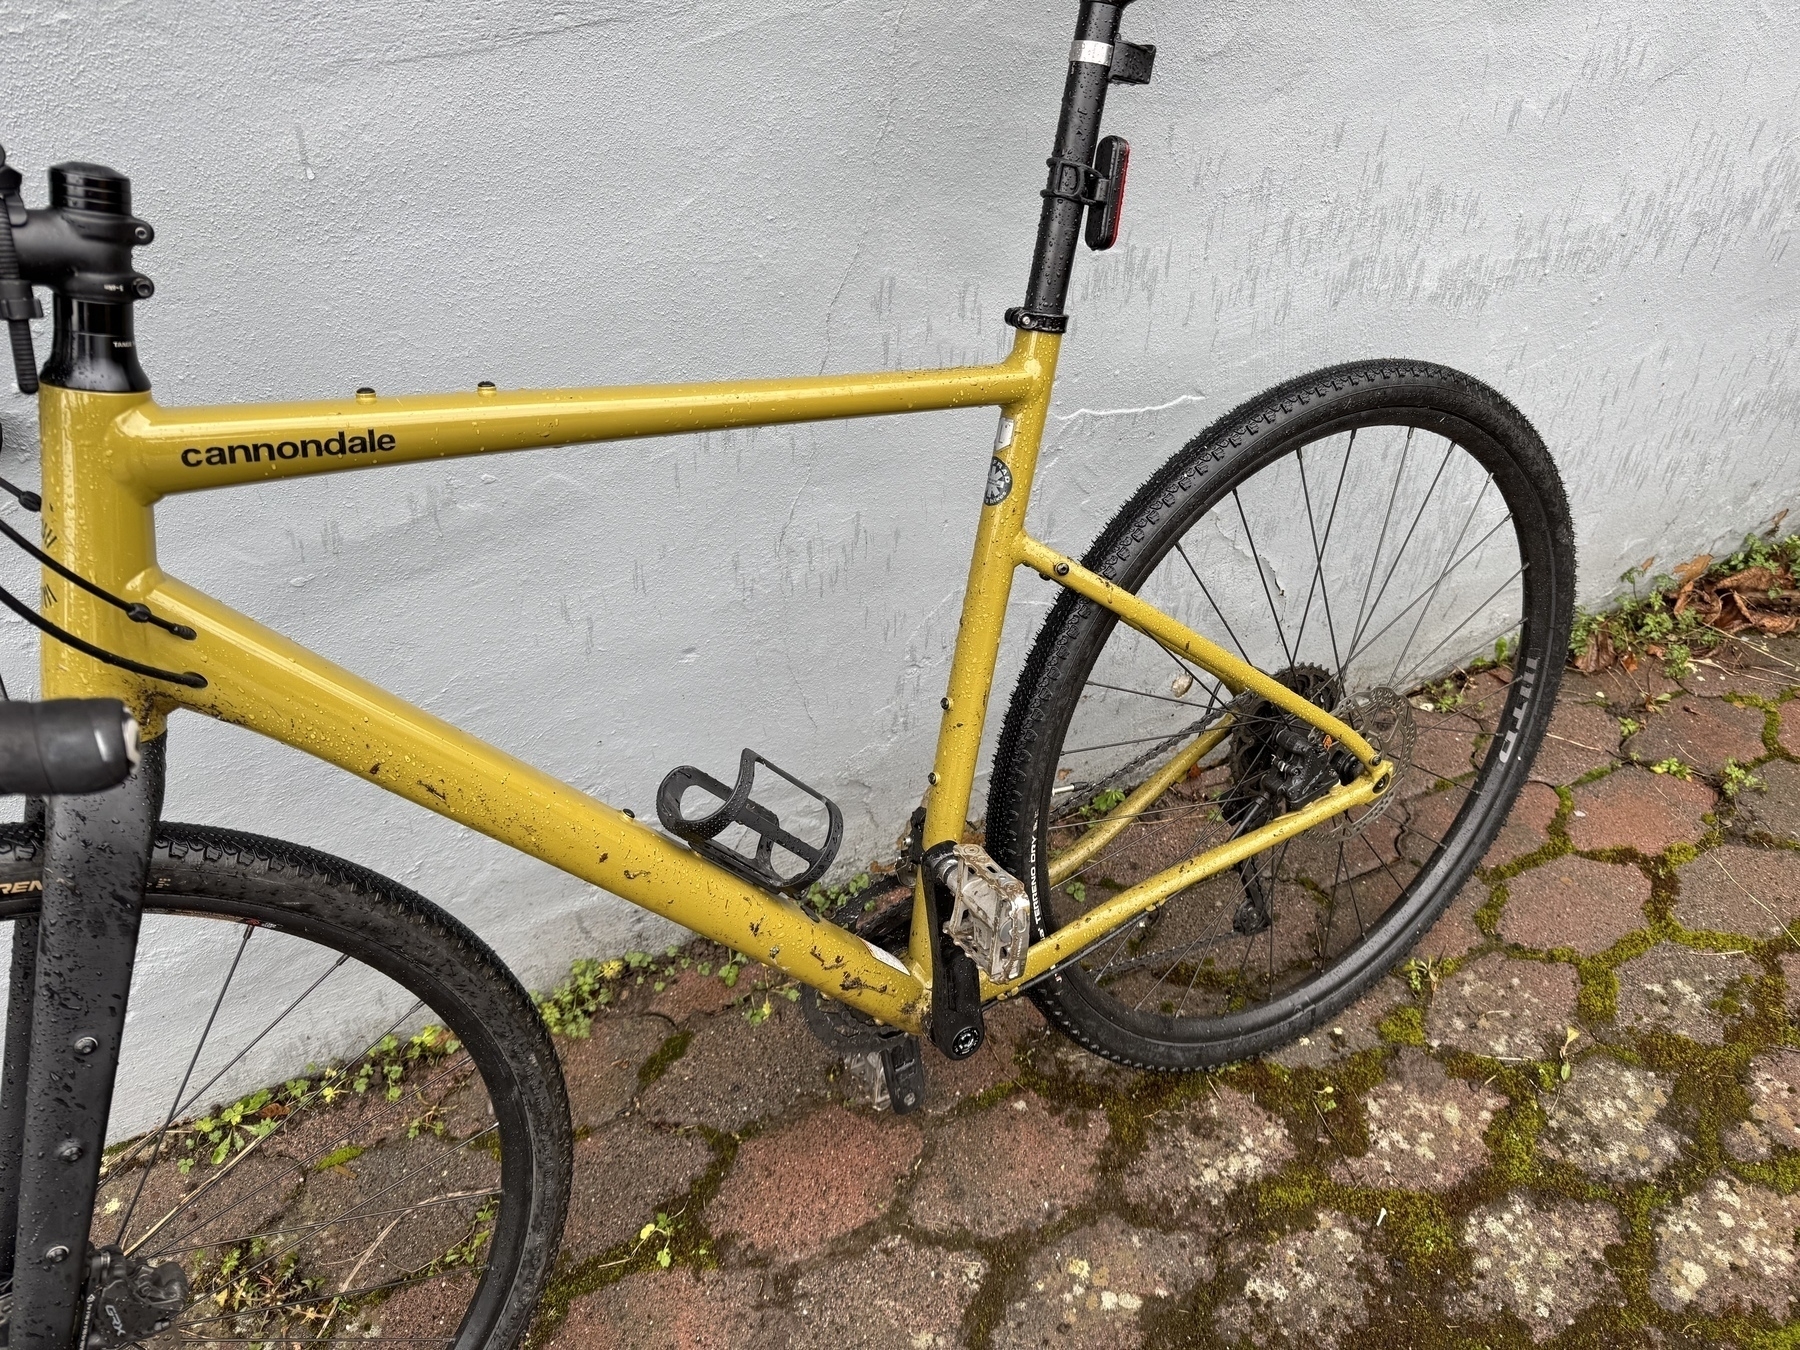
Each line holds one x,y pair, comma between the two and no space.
18,304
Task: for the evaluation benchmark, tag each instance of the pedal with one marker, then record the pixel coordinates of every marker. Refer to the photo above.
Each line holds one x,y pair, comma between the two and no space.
893,1075
883,1061
957,1027
991,919
700,833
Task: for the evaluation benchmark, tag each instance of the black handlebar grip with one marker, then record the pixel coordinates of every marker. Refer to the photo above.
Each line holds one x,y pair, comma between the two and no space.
66,746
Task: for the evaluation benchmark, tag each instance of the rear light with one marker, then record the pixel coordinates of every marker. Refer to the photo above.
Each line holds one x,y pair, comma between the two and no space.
1111,161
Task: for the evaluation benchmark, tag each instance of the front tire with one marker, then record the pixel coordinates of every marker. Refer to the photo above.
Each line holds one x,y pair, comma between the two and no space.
1390,539
337,1110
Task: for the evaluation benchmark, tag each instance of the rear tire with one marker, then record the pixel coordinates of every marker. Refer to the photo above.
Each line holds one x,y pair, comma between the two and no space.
1365,534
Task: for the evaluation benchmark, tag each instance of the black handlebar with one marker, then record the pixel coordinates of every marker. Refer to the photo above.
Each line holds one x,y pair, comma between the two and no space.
66,746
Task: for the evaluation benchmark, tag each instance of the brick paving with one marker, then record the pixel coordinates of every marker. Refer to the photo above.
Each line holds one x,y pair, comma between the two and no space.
1581,1128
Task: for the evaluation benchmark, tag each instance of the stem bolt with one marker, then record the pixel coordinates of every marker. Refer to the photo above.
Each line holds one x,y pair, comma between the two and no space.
69,1150
86,1045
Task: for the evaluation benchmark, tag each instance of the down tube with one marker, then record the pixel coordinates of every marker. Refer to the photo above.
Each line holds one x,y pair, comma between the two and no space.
260,680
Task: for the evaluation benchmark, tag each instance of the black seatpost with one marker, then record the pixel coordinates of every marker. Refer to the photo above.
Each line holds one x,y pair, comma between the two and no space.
1069,191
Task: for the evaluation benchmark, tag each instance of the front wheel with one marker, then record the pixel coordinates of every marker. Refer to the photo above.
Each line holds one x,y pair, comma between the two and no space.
337,1113
1390,540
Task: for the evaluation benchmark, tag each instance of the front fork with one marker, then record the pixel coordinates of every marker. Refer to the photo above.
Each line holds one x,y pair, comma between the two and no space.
72,992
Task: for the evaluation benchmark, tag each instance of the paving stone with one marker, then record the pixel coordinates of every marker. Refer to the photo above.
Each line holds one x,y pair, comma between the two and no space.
1511,1009
1527,827
1790,979
1731,1245
602,1070
896,1296
1574,902
1604,1121
1580,738
734,1074
1742,669
1350,1032
1199,1154
1013,1166
1544,1265
1629,691
1425,1129
1679,990
424,1313
1011,1026
1751,891
1090,1289
1775,1096
1747,1142
622,1174
1577,687
1634,808
1788,733
794,1191
1309,1288
1455,932
1443,743
711,1310
1701,732
691,995
1773,806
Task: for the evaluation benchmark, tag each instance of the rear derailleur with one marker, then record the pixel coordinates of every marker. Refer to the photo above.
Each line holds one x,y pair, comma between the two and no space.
1278,763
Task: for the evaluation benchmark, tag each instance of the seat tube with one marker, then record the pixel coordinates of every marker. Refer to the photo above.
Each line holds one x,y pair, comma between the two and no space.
96,855
1077,134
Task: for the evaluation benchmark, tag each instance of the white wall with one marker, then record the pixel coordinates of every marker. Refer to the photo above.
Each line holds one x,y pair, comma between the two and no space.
1588,206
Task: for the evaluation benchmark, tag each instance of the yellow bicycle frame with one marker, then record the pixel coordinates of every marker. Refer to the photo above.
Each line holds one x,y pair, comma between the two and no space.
108,459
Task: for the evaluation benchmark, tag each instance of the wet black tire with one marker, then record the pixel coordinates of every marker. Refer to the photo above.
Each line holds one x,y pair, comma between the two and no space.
1406,488
412,1169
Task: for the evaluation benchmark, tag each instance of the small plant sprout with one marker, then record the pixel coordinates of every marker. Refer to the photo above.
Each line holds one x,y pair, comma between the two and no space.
1673,767
1735,777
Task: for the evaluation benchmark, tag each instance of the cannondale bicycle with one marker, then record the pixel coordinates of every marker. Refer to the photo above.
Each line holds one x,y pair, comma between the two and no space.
1274,718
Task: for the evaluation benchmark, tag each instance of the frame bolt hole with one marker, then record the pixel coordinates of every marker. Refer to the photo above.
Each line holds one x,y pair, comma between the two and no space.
56,1255
69,1150
485,389
932,778
1061,569
86,1045
365,395
945,701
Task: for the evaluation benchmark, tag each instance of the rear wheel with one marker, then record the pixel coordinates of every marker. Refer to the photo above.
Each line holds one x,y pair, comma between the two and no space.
1391,541
337,1112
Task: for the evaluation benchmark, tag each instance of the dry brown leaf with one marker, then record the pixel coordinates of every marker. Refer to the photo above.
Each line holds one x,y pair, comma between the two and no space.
1750,579
1691,570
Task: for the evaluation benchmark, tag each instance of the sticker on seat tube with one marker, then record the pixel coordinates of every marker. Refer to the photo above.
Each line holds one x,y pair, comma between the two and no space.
1093,53
999,484
1003,437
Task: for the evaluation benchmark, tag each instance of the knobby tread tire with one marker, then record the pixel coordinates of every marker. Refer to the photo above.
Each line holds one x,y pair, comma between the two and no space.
406,937
1058,657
